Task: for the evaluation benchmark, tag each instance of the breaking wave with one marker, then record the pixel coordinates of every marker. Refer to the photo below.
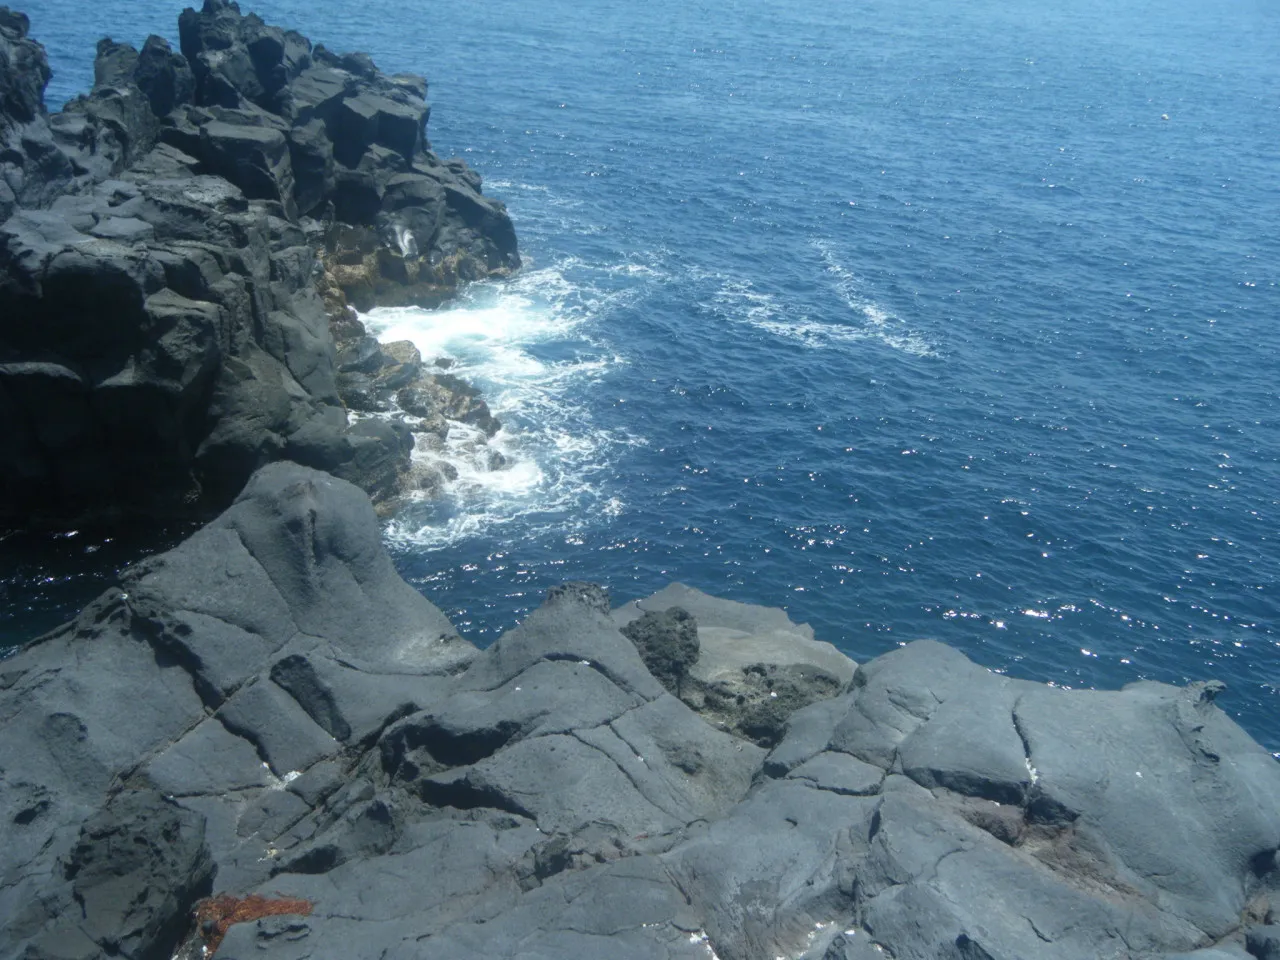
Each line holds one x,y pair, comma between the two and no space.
526,343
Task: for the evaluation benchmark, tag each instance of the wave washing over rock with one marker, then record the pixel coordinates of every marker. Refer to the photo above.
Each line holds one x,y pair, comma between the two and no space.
264,743
521,342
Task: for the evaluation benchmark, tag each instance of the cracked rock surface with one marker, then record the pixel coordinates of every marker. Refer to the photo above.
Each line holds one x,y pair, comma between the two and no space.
269,709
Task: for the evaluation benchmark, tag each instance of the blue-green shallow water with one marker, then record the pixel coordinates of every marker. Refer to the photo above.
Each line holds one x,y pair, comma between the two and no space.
917,318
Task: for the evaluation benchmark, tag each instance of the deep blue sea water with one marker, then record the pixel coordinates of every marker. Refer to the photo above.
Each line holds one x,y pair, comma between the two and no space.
915,318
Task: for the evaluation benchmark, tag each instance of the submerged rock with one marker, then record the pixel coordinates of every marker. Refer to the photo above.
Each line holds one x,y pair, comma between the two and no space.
269,710
168,250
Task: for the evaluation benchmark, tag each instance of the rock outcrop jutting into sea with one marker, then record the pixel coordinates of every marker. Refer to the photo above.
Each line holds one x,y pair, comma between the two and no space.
268,709
265,744
178,249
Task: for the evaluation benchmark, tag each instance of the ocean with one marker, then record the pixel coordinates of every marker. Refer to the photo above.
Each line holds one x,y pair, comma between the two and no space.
918,319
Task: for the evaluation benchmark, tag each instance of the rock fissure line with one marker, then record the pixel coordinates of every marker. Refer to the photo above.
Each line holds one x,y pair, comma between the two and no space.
252,737
619,682
159,634
629,776
1037,931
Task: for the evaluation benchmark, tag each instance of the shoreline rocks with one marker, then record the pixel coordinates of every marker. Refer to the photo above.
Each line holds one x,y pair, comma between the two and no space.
178,248
268,712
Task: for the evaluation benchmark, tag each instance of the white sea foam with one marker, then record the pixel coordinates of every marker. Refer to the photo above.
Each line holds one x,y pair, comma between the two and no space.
739,300
527,344
878,323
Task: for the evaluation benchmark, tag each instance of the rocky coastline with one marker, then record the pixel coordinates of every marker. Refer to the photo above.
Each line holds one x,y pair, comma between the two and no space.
263,743
181,250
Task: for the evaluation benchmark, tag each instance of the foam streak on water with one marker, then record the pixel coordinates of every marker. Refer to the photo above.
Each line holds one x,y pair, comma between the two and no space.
859,319
871,320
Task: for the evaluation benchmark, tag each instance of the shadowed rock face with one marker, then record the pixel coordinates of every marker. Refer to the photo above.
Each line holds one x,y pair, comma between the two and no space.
162,333
269,709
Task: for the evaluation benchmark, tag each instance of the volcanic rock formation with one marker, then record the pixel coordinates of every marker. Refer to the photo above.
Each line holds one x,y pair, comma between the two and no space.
176,246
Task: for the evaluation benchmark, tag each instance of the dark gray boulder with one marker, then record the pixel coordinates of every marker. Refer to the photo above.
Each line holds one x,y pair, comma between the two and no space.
1263,942
164,77
115,63
176,349
353,132
367,119
239,58
169,684
254,158
26,71
668,644
311,157
136,871
33,169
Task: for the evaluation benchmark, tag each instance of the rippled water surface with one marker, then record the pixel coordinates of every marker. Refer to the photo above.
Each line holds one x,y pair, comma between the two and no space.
916,318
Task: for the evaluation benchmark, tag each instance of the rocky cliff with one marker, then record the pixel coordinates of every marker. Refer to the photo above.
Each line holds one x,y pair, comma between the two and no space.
269,714
178,251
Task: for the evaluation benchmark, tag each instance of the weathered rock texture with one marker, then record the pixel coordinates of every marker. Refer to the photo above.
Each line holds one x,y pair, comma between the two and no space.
162,330
269,709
